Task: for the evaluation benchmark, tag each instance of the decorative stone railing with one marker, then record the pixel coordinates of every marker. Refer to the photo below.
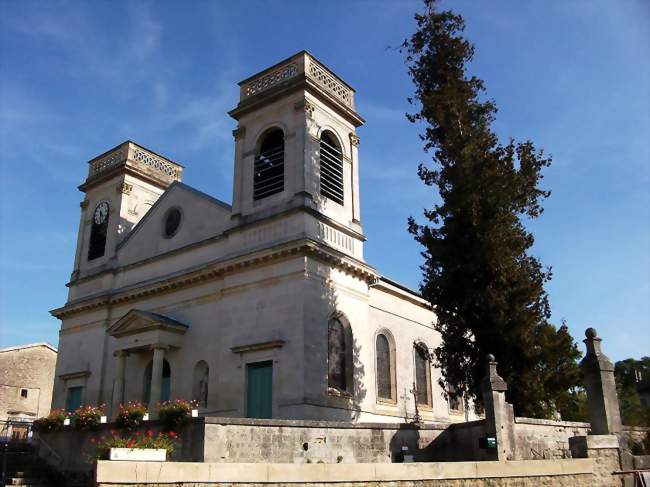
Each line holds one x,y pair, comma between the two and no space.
130,154
301,64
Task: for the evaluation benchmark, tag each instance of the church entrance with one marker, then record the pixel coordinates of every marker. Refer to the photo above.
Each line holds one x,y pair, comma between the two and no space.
259,389
165,390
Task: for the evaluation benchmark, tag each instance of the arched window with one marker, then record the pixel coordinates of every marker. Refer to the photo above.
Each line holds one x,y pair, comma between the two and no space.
200,383
339,355
165,389
268,177
423,374
385,355
331,167
98,231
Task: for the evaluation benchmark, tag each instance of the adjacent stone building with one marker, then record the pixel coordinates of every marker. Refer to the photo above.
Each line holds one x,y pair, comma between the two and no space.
264,308
26,380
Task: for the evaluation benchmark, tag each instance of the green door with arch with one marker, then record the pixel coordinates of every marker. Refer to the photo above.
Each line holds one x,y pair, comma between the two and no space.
259,390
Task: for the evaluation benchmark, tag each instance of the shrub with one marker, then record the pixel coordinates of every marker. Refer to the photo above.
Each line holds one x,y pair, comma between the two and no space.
51,422
130,416
88,417
175,413
165,441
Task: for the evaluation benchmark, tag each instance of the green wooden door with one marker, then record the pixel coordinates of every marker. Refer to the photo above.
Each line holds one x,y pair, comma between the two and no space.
259,390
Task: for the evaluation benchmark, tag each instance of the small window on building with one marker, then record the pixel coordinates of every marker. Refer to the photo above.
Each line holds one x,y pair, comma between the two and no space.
23,393
456,402
331,168
268,171
423,374
73,399
98,231
172,221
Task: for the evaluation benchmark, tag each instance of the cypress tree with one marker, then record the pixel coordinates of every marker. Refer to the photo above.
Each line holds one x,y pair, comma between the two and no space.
486,289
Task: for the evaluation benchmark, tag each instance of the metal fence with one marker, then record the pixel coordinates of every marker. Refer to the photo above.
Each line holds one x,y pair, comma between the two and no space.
16,431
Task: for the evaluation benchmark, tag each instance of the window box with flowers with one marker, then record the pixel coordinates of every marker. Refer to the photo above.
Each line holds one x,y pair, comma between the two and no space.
138,446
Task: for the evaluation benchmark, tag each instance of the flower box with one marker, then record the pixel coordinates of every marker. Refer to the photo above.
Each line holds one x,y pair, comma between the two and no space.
138,454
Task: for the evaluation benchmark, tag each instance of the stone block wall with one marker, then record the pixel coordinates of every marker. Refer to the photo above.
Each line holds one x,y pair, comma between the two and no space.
541,439
236,440
26,378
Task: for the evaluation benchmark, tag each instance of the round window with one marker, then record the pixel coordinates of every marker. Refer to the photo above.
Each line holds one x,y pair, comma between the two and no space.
172,221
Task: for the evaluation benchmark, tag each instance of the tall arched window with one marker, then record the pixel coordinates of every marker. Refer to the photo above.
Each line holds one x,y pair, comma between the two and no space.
165,389
422,374
200,383
331,167
268,177
98,230
339,355
385,355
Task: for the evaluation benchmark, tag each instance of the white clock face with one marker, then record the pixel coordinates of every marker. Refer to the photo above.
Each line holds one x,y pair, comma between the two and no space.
101,213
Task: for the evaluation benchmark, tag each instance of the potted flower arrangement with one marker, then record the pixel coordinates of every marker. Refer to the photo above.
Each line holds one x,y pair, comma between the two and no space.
88,417
138,446
51,422
176,413
131,415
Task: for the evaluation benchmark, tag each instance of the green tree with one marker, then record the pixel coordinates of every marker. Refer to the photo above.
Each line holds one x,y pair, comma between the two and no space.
633,413
488,292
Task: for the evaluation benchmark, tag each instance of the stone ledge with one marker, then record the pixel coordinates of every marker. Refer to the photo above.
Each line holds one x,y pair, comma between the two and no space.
303,423
552,422
122,473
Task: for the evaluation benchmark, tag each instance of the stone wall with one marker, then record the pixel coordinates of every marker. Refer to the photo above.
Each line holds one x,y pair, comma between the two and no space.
234,440
575,473
72,450
26,378
537,439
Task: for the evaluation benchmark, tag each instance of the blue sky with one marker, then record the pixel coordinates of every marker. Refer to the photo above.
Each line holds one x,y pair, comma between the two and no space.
77,78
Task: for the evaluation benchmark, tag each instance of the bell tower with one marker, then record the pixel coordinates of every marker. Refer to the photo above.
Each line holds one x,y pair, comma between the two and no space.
121,186
296,148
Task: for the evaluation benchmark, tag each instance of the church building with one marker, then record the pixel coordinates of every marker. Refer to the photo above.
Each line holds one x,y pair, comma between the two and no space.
265,308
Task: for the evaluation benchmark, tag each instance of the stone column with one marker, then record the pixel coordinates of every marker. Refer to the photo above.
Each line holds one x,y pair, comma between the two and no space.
118,385
499,416
598,372
156,378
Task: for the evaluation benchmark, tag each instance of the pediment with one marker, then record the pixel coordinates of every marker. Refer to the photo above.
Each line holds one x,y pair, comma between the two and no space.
202,217
138,321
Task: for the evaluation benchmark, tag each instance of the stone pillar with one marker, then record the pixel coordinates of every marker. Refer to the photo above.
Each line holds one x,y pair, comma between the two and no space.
156,379
499,415
118,385
598,372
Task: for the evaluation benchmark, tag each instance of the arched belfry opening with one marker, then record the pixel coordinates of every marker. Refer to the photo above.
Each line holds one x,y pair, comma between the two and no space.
331,167
268,178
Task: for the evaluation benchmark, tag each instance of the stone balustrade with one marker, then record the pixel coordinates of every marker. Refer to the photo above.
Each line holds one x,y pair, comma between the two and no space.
131,154
301,65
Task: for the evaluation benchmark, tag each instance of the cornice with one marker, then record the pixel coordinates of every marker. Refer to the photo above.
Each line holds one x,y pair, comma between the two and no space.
216,270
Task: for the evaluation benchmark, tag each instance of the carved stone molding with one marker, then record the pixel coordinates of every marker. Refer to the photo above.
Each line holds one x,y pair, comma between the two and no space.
124,188
305,105
239,133
354,139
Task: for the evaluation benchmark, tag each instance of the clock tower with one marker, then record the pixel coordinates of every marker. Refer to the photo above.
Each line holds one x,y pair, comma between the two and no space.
121,186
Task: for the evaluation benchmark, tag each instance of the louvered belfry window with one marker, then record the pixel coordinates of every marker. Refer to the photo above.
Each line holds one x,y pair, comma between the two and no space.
331,168
268,176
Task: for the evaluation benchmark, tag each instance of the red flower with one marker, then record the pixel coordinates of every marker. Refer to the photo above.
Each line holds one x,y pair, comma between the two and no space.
172,434
130,444
149,433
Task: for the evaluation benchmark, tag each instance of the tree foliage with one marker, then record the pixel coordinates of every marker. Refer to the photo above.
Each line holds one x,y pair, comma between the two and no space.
488,291
633,413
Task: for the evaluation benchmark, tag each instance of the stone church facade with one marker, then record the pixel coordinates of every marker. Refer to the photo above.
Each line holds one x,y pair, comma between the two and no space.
265,308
